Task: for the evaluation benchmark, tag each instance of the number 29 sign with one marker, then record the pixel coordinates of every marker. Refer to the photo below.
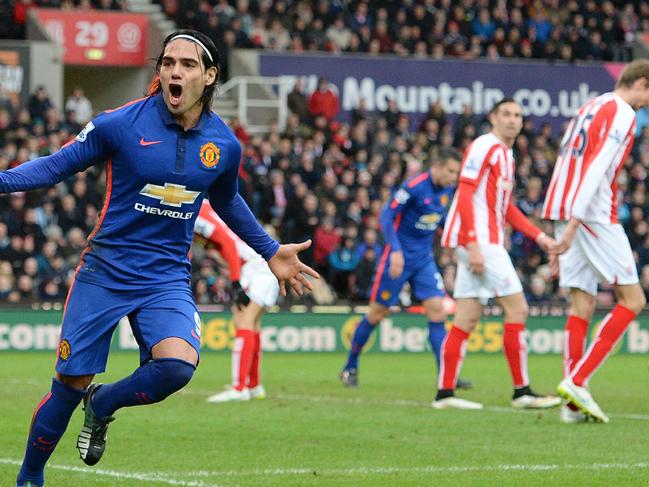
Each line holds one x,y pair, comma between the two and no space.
96,37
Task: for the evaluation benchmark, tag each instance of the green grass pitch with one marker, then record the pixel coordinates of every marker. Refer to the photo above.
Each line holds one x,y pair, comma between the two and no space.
311,431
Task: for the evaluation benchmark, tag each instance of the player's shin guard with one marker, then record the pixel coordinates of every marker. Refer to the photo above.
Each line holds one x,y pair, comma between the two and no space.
574,340
49,422
610,331
242,357
151,382
453,351
436,335
255,366
515,348
361,335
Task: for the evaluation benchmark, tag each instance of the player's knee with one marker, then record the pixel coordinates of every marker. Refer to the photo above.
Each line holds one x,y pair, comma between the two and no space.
642,302
633,299
518,313
172,375
79,382
435,310
376,315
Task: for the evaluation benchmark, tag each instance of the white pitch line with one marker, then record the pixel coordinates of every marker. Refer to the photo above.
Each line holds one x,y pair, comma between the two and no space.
402,403
144,477
424,469
283,472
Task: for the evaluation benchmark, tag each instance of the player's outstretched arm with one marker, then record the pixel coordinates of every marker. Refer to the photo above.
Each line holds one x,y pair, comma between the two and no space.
41,172
287,267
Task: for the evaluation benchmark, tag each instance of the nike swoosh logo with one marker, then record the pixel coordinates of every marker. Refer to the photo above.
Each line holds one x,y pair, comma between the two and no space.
149,142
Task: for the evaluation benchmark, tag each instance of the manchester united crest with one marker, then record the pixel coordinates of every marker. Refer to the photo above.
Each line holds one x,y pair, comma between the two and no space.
210,154
64,350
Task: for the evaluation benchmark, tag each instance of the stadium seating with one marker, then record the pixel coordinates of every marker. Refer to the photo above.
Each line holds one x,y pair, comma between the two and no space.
322,179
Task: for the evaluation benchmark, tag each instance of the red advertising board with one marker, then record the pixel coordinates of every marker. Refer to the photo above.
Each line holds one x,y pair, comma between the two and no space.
97,38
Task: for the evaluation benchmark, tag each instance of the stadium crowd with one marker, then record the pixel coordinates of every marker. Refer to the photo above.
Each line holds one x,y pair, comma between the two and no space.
540,29
572,30
318,179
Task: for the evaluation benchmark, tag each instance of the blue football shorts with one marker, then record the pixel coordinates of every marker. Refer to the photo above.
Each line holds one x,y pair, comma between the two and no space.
423,275
92,313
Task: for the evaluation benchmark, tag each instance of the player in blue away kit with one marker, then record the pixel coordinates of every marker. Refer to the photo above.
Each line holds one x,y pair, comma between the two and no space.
409,224
164,153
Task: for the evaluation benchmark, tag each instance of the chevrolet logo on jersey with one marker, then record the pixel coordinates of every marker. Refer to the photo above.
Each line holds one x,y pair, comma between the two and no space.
170,194
428,222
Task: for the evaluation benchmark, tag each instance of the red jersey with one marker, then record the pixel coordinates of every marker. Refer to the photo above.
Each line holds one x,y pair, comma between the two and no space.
592,152
488,166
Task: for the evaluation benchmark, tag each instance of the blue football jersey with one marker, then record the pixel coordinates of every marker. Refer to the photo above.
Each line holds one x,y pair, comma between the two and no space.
410,220
157,176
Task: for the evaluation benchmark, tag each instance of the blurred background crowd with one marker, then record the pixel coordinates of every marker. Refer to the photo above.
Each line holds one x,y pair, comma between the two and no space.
321,179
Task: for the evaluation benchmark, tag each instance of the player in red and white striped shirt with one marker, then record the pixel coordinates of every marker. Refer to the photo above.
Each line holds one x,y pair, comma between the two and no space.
255,287
475,227
582,199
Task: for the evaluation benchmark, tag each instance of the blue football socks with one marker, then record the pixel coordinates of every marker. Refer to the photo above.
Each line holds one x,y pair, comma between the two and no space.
436,335
361,335
50,420
150,383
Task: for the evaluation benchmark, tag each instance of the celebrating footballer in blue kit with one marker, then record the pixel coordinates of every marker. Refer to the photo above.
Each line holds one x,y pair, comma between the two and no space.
164,152
410,222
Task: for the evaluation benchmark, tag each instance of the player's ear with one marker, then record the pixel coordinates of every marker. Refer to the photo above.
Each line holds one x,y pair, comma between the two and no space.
210,75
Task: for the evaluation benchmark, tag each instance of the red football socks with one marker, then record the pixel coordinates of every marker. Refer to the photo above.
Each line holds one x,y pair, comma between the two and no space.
253,380
574,341
610,331
242,356
515,348
453,350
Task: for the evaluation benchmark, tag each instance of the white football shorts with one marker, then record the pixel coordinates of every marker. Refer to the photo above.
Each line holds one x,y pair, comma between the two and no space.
259,282
499,277
599,252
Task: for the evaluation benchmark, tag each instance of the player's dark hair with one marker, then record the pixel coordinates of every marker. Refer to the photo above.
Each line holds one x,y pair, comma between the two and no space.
497,106
446,153
201,40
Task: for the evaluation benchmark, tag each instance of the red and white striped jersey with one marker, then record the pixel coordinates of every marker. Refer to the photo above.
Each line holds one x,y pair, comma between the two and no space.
489,165
210,226
593,150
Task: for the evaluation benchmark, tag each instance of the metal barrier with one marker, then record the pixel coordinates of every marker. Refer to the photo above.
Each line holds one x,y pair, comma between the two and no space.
257,101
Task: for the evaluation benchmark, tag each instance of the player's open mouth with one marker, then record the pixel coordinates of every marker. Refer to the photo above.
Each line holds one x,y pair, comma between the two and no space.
175,92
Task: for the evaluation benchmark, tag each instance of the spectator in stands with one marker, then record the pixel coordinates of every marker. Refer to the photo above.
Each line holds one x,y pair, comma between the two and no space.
326,238
361,279
298,103
324,101
78,103
307,218
342,263
339,35
39,103
274,200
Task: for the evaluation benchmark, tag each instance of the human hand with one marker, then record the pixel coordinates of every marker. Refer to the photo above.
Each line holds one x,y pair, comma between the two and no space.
396,264
567,237
287,267
553,264
547,244
476,260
